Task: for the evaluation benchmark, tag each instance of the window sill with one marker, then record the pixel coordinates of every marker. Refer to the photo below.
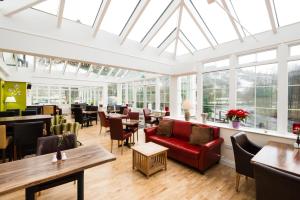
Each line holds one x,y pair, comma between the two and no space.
245,129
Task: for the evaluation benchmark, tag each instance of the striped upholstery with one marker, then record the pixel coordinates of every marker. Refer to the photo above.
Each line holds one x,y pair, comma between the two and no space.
58,119
66,127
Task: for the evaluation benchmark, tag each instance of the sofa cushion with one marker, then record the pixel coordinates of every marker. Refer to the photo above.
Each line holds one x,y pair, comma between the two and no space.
182,130
165,128
200,135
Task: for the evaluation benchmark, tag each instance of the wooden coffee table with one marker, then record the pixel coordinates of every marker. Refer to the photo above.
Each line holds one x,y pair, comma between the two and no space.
149,158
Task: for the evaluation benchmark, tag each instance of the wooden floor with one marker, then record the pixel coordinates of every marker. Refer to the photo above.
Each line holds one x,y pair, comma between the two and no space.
117,180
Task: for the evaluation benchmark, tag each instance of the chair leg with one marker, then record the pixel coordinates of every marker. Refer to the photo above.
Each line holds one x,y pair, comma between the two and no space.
137,135
15,152
111,146
100,130
237,183
122,147
3,155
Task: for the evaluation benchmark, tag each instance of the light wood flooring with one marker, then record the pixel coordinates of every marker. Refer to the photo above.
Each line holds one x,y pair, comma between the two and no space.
117,180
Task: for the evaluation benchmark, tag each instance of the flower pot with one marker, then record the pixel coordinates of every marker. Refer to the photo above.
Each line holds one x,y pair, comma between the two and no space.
236,124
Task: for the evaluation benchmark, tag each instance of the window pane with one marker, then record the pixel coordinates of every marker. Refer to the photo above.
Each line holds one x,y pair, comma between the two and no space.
57,65
245,97
217,64
43,64
294,116
49,6
295,50
181,49
246,77
105,71
287,11
247,59
266,119
294,97
294,72
152,12
266,75
72,67
266,55
84,68
117,15
266,97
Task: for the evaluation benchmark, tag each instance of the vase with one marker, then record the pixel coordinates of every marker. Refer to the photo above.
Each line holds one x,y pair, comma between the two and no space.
204,117
187,115
58,154
236,124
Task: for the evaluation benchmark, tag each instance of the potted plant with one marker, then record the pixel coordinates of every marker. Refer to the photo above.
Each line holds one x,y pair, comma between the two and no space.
236,116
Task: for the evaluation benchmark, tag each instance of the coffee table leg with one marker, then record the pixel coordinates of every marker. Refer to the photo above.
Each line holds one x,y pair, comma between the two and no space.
166,160
80,186
29,193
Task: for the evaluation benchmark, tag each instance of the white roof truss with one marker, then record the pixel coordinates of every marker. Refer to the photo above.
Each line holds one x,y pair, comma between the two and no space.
100,16
25,4
60,13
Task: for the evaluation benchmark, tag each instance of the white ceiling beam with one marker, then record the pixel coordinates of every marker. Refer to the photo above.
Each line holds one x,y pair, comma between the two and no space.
125,74
199,26
271,16
23,6
186,46
110,72
78,67
100,16
100,71
133,19
160,23
117,73
34,63
231,18
65,67
178,27
50,67
167,42
60,13
89,70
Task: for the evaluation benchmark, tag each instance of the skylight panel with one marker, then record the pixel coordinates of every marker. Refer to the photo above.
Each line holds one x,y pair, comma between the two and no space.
171,47
250,13
84,68
82,11
192,32
181,49
152,12
117,15
72,67
169,26
287,11
20,60
114,71
57,65
121,73
43,64
186,41
96,69
217,20
105,71
49,6
9,59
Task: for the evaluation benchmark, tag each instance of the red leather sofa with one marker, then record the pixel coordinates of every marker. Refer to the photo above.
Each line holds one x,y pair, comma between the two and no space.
199,157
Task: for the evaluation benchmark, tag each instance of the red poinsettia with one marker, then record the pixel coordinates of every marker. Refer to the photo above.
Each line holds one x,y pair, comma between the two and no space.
237,115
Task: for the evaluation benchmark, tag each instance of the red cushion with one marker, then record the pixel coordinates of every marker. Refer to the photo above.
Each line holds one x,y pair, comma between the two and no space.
182,130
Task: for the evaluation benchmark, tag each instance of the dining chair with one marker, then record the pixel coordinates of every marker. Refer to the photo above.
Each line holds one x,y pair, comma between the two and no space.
147,118
16,111
48,110
8,114
4,142
80,117
135,128
104,122
273,184
244,150
25,137
117,132
28,112
93,116
126,111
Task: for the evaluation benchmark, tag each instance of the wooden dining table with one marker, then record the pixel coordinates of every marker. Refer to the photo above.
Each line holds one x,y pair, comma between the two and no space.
280,156
116,115
45,118
39,173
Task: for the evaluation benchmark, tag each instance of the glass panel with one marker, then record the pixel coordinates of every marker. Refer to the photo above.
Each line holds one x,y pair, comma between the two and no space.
9,59
266,119
293,116
171,47
74,95
245,97
96,69
181,49
294,97
186,41
72,67
117,15
217,20
81,11
190,29
152,12
65,93
295,50
121,73
49,6
84,68
287,11
114,71
266,97
43,64
169,26
57,65
247,59
266,75
294,72
54,95
105,71
266,55
217,64
245,11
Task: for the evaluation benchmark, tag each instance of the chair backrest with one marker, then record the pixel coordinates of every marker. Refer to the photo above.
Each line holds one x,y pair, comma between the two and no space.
71,127
146,112
116,128
134,115
3,142
7,114
27,133
78,115
104,122
29,112
242,156
16,111
275,184
49,144
58,119
48,110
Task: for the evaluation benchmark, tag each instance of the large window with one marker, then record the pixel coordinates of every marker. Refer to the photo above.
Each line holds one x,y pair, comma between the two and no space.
294,93
150,96
124,93
139,96
257,93
130,94
112,94
164,92
216,95
91,95
187,91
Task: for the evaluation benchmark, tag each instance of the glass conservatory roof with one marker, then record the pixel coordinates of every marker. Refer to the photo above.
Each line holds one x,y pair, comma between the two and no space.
56,66
195,24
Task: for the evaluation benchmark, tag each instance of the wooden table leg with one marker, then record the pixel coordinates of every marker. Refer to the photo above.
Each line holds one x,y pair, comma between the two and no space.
29,194
48,125
80,186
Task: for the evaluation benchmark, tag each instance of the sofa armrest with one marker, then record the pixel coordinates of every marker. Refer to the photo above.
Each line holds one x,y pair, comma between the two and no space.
213,144
150,131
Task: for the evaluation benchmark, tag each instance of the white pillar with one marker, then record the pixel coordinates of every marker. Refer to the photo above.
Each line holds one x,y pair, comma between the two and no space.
233,63
157,94
134,94
119,93
282,88
199,109
105,96
174,96
126,93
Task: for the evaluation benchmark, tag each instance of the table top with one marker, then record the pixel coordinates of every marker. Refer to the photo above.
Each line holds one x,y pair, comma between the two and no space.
280,156
116,115
149,148
130,122
89,111
157,115
33,171
24,118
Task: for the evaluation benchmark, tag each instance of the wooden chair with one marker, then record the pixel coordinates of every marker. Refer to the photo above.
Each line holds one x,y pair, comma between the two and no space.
117,132
4,142
67,127
49,110
104,122
244,150
80,117
134,129
147,118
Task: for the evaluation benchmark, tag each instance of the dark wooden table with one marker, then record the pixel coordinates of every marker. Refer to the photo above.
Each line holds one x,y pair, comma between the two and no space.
39,173
280,156
45,118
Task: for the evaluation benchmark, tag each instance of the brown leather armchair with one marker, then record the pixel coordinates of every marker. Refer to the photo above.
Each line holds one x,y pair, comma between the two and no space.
244,150
273,184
